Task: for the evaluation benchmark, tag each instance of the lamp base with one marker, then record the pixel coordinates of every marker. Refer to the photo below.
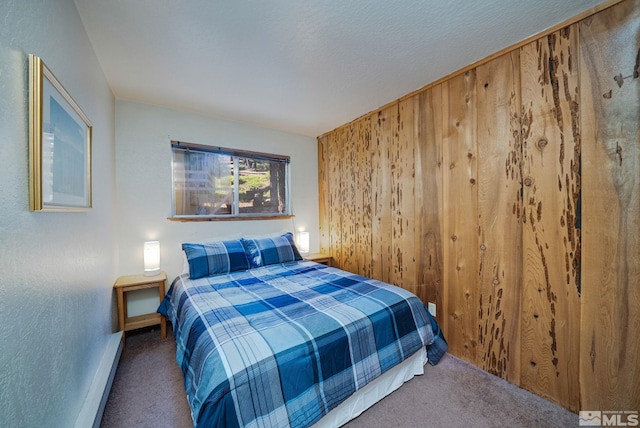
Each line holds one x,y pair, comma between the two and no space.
151,272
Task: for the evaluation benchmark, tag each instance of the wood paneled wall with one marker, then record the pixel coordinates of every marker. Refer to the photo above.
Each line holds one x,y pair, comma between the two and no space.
509,195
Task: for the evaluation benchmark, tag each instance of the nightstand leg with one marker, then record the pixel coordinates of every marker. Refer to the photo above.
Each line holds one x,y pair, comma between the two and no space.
120,295
163,327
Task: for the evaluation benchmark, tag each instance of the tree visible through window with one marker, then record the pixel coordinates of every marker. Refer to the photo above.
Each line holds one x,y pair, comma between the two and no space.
219,182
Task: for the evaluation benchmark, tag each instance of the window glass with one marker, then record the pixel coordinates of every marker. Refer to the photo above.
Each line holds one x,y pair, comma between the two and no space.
217,182
261,186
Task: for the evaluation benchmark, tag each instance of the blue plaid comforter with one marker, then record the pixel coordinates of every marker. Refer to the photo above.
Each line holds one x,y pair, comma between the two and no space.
282,345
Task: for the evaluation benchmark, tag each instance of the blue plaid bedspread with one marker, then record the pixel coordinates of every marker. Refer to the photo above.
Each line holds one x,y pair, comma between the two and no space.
282,345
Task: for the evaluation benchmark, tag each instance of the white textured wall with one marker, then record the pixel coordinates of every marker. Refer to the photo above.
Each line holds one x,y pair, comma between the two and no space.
56,269
143,170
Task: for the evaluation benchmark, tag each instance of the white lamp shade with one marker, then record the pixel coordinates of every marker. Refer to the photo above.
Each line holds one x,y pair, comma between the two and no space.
303,242
151,258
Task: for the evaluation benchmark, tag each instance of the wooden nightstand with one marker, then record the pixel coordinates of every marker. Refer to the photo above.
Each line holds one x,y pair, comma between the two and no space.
128,283
319,258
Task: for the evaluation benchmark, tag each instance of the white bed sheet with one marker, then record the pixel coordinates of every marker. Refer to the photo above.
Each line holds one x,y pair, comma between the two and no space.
375,391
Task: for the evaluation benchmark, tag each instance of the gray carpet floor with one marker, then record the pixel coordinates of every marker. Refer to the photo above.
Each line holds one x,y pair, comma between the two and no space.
148,391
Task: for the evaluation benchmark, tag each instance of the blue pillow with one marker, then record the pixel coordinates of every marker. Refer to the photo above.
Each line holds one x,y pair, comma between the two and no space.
213,258
274,250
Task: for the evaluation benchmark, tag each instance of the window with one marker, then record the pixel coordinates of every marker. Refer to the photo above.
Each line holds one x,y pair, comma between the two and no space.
215,182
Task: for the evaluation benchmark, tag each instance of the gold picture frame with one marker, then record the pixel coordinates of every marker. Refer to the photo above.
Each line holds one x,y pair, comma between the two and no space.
59,145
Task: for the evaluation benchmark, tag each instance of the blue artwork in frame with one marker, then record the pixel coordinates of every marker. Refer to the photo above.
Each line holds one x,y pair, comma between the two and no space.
60,145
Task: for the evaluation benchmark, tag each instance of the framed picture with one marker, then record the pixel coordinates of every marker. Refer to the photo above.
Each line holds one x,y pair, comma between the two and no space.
59,145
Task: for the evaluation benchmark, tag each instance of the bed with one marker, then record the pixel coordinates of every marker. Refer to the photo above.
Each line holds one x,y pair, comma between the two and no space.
267,339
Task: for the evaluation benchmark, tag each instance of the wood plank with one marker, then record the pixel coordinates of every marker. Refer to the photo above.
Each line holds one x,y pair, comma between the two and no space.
347,200
551,232
335,197
610,316
363,195
461,215
428,182
403,272
499,209
323,194
384,128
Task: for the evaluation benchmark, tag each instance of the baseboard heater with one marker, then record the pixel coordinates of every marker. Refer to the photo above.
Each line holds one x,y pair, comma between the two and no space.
93,407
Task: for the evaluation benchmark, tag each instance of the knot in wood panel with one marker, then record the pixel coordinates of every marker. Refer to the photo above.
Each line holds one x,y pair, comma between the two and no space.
619,80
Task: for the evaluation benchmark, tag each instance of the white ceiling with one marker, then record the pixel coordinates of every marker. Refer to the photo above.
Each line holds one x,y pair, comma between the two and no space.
302,66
